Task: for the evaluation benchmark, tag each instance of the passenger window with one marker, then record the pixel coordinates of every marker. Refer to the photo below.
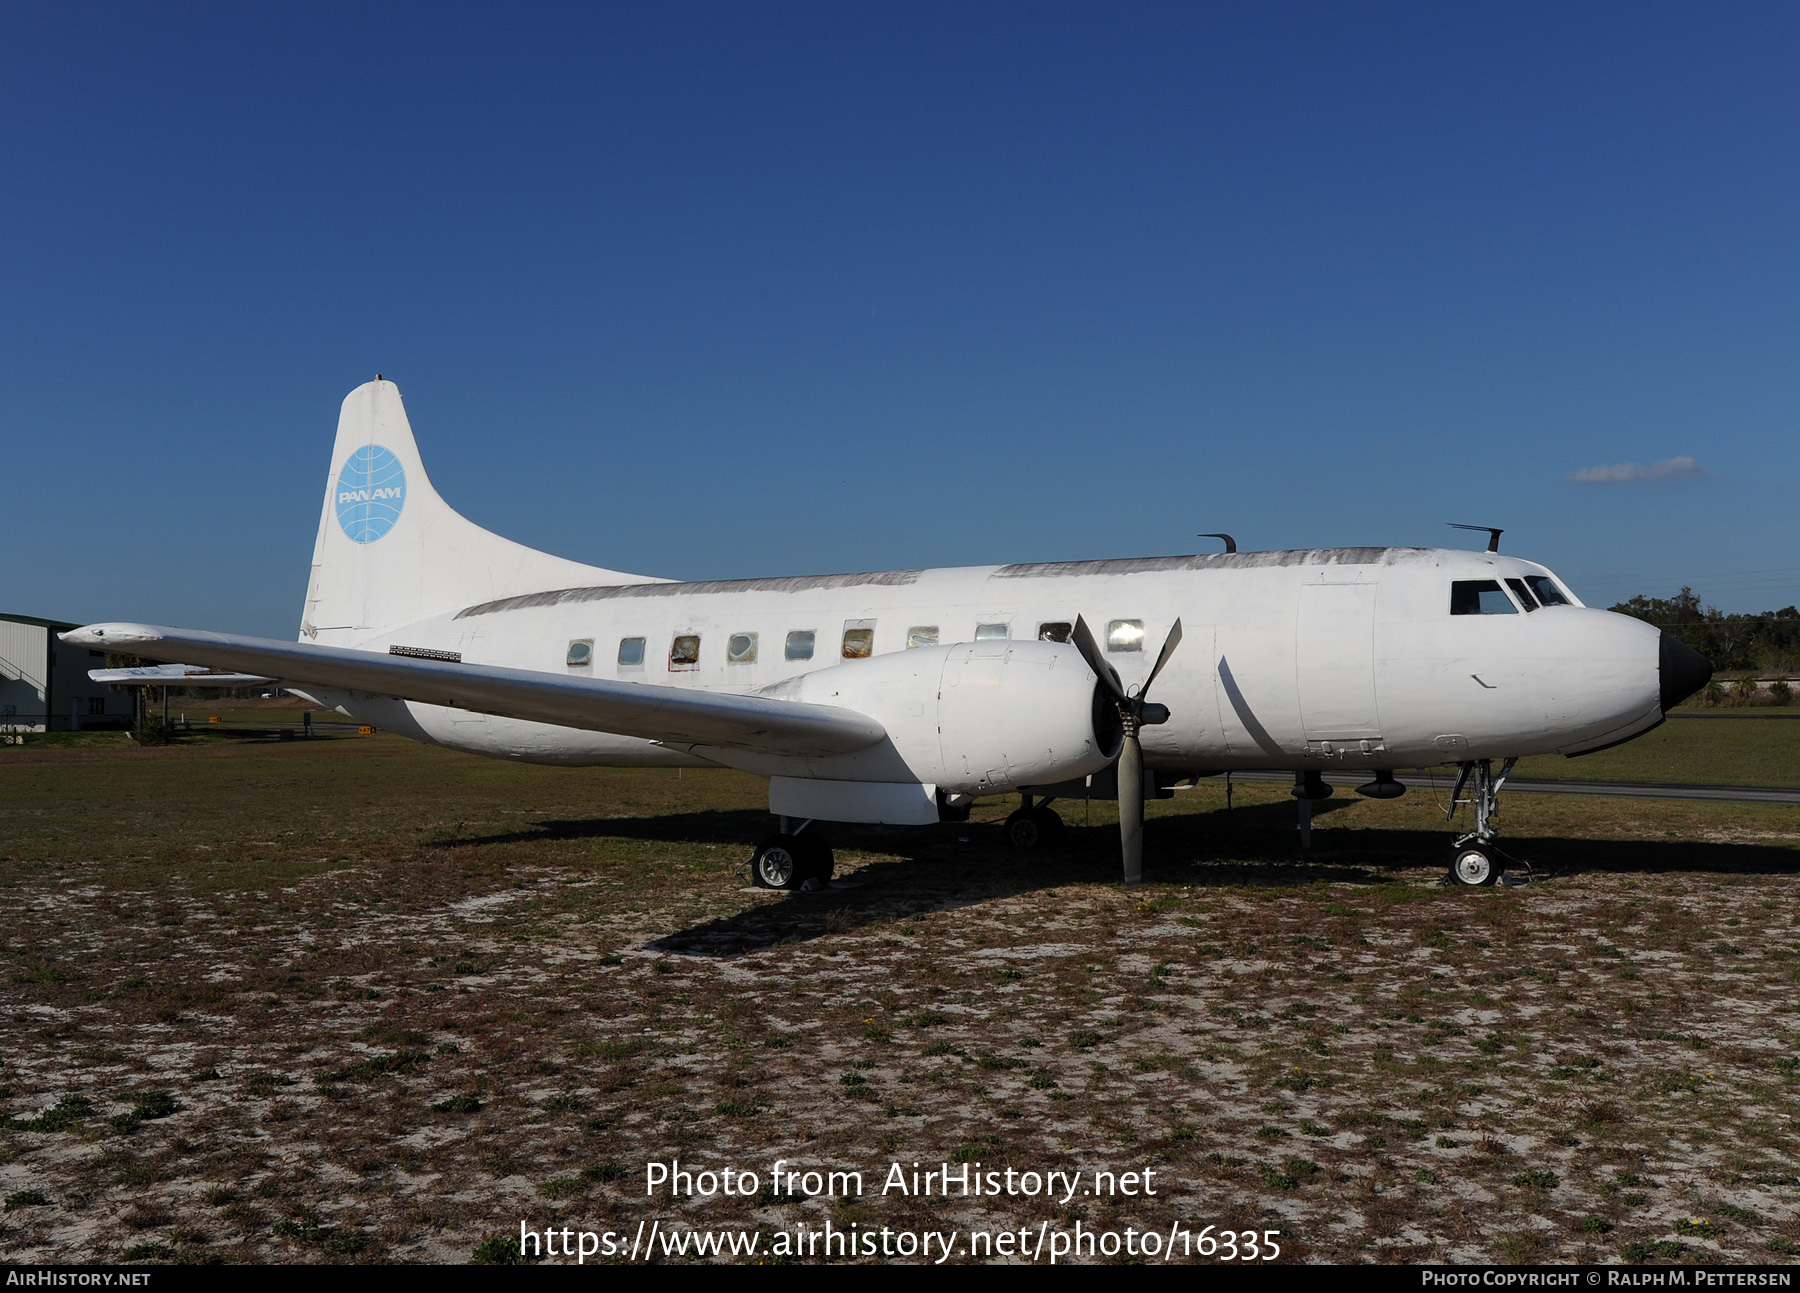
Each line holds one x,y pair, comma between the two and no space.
859,639
684,653
1055,631
631,652
800,644
1125,635
1480,597
992,632
740,648
1547,591
581,652
922,636
1523,594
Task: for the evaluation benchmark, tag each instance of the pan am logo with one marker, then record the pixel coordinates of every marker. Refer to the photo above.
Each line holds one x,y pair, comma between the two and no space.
371,490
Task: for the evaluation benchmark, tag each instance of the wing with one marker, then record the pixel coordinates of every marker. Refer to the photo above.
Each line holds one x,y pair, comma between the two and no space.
668,714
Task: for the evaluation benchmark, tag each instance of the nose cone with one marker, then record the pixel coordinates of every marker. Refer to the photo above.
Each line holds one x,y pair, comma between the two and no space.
1684,671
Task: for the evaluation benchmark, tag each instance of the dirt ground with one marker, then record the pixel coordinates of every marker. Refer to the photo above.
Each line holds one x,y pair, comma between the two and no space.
355,1000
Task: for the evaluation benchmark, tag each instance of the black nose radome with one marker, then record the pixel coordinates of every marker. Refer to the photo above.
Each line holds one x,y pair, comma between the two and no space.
1684,671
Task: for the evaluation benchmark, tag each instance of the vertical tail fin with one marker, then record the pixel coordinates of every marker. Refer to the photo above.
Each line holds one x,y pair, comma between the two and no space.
390,551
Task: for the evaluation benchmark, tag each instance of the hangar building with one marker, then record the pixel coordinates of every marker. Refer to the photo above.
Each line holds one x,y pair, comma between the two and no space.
44,685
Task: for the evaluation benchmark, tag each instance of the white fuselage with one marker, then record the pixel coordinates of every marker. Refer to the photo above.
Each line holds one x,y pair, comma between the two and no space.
1288,660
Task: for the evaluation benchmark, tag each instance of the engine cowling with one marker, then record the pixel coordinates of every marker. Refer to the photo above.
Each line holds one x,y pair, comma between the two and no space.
972,718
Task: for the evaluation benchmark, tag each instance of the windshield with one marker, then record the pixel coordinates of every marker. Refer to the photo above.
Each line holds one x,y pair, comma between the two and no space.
1547,591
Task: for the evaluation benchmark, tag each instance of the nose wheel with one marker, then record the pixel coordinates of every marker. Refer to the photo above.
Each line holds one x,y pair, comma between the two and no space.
1474,865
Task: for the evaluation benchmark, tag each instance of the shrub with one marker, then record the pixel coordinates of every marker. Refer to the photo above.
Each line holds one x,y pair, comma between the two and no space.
497,1250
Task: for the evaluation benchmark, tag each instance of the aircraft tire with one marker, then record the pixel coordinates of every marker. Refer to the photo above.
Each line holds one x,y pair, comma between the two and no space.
1023,830
1037,829
777,863
816,861
1474,866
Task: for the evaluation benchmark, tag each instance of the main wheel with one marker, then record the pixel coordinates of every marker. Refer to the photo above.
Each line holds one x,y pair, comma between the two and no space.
816,861
777,863
1474,865
1024,830
1034,828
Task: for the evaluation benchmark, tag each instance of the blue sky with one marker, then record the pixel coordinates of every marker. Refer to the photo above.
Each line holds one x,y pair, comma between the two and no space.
707,291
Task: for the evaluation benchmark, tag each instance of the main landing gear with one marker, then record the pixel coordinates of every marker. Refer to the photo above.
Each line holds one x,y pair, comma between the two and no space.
1477,860
1034,827
798,859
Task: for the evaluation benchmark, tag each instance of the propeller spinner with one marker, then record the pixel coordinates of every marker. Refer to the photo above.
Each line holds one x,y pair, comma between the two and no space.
1134,712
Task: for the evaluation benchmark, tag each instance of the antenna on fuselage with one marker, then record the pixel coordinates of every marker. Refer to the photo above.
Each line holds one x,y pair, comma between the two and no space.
1230,543
1493,532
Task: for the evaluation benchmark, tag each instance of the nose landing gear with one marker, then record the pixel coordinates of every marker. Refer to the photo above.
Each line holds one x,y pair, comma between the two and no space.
1477,859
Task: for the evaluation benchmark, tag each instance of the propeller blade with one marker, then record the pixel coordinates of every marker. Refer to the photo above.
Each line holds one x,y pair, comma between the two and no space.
1083,638
1131,808
1169,645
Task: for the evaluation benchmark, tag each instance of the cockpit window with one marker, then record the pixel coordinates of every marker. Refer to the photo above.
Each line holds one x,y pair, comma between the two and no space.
1480,597
1547,591
1523,594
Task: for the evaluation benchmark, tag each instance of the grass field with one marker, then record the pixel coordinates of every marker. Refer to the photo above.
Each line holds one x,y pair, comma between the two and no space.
358,1000
1739,749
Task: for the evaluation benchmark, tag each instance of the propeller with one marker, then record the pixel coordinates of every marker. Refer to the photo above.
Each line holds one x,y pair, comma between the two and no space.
1134,713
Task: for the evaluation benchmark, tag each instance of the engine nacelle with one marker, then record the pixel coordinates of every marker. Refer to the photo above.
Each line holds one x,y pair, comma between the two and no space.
973,718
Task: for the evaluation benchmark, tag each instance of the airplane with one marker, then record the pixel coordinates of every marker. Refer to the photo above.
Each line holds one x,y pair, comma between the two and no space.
900,696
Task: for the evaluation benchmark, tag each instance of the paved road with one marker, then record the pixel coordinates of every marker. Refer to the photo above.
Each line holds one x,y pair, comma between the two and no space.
1536,786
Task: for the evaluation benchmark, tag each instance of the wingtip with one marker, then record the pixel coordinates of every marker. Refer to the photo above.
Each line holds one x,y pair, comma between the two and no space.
110,635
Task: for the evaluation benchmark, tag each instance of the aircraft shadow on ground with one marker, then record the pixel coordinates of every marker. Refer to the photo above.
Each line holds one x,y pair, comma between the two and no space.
957,865
745,827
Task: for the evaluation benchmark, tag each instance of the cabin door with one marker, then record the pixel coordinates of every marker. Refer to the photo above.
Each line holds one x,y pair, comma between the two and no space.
1334,660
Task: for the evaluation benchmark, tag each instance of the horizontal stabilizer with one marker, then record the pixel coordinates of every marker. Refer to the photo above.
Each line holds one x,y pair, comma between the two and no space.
673,716
177,675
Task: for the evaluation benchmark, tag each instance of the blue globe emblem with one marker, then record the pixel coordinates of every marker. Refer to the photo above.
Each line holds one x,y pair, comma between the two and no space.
371,490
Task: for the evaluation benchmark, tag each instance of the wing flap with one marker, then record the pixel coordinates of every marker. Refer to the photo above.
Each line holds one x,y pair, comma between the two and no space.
669,714
176,675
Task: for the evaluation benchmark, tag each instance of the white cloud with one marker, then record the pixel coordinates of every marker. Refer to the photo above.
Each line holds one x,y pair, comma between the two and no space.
1620,473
